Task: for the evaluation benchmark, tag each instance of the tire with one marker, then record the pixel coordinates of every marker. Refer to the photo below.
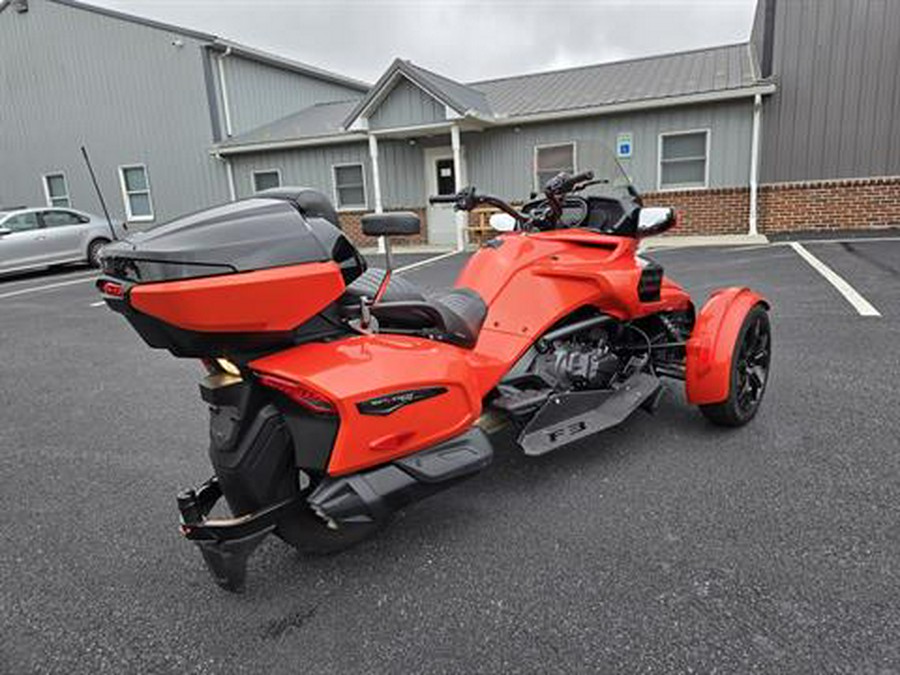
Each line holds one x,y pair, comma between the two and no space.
93,251
750,364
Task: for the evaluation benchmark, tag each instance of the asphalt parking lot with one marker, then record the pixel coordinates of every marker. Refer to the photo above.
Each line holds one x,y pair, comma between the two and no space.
666,545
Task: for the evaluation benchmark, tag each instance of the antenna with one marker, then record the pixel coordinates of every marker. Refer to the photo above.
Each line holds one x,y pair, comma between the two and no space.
87,160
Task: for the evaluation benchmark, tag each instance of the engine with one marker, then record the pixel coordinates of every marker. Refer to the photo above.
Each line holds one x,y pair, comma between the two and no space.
581,362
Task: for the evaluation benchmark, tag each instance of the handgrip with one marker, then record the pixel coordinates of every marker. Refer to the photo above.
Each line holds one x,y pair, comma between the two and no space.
443,199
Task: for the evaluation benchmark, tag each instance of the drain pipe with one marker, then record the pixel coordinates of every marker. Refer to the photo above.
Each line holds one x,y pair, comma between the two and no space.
229,176
223,86
754,166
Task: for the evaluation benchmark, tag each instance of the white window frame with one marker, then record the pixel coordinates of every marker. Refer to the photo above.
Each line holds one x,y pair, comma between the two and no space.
534,175
659,160
47,195
334,187
125,200
259,171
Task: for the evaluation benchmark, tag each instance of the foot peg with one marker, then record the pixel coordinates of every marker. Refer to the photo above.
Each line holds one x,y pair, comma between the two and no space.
226,543
569,417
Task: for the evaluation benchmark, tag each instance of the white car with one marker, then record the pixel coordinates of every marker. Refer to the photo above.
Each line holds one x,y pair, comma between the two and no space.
41,237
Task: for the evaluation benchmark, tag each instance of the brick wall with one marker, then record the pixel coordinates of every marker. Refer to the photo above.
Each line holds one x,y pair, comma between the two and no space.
787,207
828,205
721,211
350,224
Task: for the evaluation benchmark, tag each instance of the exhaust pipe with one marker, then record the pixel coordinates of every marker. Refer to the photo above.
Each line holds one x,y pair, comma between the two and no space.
370,496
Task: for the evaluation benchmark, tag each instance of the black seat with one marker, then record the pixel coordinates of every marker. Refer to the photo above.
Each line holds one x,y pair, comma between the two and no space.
367,285
454,316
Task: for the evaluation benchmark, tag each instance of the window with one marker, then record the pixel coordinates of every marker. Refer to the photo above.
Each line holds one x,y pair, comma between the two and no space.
22,222
350,186
549,160
56,190
61,218
683,159
445,179
263,180
136,192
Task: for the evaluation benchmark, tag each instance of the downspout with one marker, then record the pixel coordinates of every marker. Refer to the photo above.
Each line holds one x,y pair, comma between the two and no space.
754,166
229,176
223,85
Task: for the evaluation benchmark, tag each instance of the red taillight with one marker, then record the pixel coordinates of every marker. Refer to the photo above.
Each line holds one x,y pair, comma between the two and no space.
299,394
111,288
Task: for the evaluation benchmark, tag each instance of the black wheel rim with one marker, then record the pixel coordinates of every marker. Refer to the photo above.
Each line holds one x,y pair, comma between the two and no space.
753,365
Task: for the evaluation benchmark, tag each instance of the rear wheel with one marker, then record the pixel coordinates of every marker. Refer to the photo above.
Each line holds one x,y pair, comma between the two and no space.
749,372
94,250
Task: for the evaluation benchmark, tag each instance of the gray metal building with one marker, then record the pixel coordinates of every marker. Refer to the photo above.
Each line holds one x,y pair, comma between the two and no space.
686,121
148,100
733,136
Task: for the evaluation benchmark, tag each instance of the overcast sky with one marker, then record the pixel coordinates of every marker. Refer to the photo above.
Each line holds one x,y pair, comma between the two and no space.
464,39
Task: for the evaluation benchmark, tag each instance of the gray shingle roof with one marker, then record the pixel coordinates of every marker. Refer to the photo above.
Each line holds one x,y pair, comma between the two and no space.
653,77
701,71
322,119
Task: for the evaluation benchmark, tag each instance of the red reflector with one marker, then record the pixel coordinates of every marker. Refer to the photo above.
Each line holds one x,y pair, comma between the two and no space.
299,394
112,288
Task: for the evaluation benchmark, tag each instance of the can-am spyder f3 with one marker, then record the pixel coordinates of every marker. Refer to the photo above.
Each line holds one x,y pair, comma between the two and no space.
338,394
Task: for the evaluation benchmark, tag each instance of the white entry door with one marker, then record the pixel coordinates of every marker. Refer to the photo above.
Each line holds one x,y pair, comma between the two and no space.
440,179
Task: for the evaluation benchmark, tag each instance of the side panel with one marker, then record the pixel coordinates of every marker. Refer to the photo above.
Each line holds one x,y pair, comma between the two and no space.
530,282
277,299
357,370
711,346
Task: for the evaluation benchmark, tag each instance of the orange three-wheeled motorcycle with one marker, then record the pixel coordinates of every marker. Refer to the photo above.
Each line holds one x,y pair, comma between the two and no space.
338,394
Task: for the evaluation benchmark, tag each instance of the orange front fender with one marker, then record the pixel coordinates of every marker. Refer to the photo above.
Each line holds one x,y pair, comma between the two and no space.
711,345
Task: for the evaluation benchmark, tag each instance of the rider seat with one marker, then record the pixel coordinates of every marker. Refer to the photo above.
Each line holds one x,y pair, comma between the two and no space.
453,316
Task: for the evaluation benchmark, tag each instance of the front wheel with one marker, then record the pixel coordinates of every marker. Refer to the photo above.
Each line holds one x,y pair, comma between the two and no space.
750,363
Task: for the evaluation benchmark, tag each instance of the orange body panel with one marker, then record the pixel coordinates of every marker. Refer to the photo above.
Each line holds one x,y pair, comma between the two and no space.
528,284
351,371
711,346
277,299
532,281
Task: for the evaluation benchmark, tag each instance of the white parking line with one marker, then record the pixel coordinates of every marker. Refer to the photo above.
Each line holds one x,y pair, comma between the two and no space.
860,304
46,287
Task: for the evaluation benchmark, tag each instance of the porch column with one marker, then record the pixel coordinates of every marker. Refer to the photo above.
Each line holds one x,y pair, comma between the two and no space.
376,182
462,218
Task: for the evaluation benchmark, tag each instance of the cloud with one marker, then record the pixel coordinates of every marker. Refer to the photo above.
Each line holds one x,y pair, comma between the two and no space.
464,39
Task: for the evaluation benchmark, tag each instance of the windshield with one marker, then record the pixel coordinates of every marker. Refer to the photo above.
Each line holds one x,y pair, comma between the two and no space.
598,157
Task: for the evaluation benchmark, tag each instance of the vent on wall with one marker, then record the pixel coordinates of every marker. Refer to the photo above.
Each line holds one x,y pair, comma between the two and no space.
21,6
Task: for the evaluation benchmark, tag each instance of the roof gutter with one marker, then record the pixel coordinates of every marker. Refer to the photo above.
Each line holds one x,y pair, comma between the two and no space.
287,144
761,89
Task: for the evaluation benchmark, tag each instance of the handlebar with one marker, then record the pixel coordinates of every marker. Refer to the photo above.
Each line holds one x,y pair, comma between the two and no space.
563,182
443,199
467,198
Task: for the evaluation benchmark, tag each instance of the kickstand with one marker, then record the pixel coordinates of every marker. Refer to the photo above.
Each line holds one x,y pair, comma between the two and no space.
651,405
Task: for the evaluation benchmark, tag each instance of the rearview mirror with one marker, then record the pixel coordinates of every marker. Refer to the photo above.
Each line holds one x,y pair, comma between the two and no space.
395,223
503,222
5,231
655,220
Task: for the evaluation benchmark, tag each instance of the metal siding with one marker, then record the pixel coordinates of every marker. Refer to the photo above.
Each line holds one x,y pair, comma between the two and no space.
501,160
259,93
836,113
402,173
407,105
120,88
